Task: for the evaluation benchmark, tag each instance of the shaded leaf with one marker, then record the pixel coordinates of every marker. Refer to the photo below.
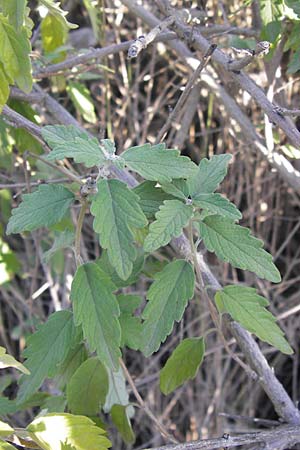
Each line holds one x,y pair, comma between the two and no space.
117,212
234,244
44,207
96,310
62,240
248,308
182,365
172,216
122,422
6,446
67,432
168,297
209,175
87,389
156,163
46,349
151,197
131,326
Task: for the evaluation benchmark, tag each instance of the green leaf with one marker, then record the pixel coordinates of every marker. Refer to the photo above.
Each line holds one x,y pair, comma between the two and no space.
82,100
177,188
172,216
168,297
54,404
10,361
217,204
271,10
209,175
67,432
182,365
6,446
46,349
294,5
56,135
156,163
14,55
117,393
131,326
4,91
87,388
44,207
248,308
121,420
54,9
117,212
151,197
5,429
68,367
105,265
7,406
294,63
97,310
233,243
15,10
62,240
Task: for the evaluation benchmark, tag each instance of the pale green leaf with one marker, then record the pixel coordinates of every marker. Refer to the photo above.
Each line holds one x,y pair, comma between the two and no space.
105,265
67,432
10,361
15,10
182,365
248,308
121,420
54,35
217,204
82,100
177,188
7,406
46,349
6,446
44,207
233,243
56,135
131,326
4,91
168,297
117,392
87,389
172,216
271,10
54,9
14,54
151,197
96,310
209,175
156,163
5,429
117,212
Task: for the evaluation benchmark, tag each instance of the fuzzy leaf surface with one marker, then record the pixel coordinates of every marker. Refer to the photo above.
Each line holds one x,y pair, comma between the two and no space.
209,175
117,212
56,135
96,310
87,388
182,365
44,207
156,163
172,216
217,204
248,308
67,432
168,297
46,349
234,244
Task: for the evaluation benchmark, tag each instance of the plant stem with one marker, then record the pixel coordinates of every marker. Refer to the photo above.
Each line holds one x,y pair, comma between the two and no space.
84,204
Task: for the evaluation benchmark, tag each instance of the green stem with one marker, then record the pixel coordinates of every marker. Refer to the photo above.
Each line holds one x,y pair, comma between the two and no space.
84,204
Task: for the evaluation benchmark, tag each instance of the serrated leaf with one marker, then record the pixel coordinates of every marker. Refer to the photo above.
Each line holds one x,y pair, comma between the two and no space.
14,54
62,240
156,163
10,361
15,10
87,389
172,216
217,204
131,326
177,188
209,175
54,9
46,349
117,212
105,265
168,297
44,207
5,429
82,100
182,365
151,197
121,420
96,310
67,432
56,135
234,244
248,308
